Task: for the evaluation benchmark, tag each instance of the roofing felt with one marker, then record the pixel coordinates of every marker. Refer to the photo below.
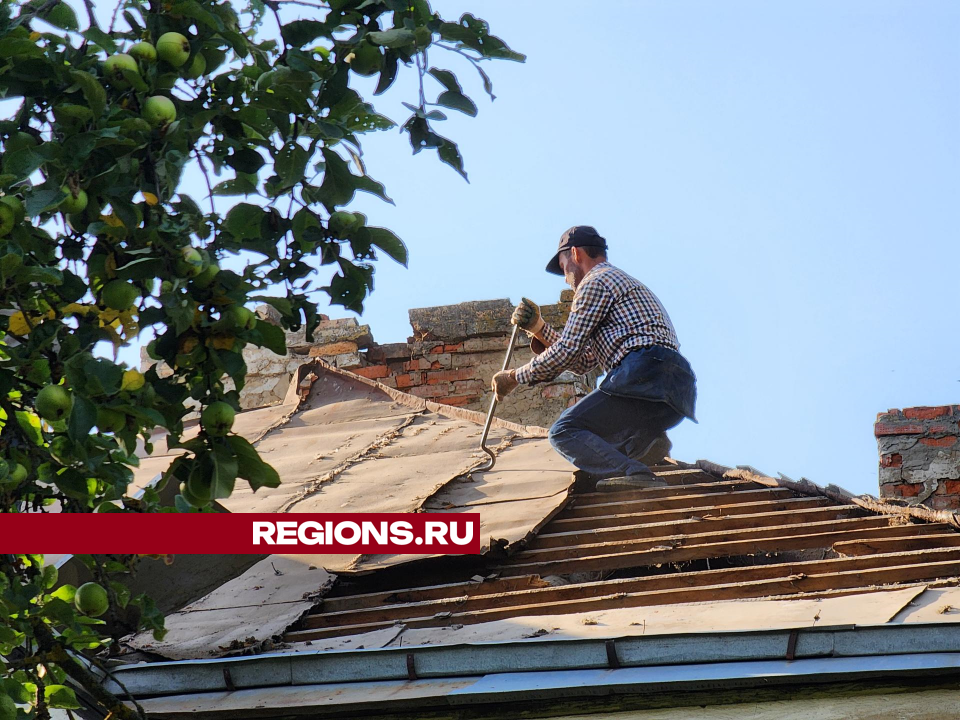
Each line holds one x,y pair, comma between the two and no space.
596,563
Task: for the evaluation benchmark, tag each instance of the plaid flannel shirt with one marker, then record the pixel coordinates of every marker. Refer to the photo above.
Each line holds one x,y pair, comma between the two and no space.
612,314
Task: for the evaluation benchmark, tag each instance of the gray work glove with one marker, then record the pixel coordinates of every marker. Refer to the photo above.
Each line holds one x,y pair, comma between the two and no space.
527,316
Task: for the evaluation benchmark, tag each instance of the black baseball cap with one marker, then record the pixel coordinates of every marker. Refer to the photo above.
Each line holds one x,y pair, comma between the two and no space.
577,236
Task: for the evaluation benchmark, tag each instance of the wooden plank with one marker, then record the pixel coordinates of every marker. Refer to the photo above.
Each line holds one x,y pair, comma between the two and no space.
898,544
646,558
600,521
578,591
656,537
713,487
674,503
729,591
693,525
432,592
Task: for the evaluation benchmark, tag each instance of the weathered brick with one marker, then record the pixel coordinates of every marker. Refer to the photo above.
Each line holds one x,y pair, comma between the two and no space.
939,442
416,364
455,347
907,489
373,372
389,381
408,380
469,386
882,429
430,391
337,348
458,400
891,460
950,487
558,391
395,351
439,376
927,413
944,502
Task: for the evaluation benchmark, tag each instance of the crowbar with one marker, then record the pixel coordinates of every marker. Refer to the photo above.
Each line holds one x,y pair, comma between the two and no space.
493,407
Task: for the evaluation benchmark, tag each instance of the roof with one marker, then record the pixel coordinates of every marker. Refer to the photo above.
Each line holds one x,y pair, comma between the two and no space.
718,551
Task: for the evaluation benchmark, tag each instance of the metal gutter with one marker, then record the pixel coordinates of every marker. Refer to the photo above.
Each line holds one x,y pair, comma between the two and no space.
549,692
532,656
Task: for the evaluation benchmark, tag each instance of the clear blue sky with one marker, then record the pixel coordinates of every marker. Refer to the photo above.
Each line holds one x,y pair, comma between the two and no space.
784,175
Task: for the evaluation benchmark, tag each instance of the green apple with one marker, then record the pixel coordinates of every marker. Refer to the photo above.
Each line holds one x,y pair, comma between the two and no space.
190,263
15,204
144,52
8,219
237,317
366,59
173,48
119,295
197,491
74,202
217,418
91,599
54,403
115,67
207,276
344,222
159,110
196,68
18,473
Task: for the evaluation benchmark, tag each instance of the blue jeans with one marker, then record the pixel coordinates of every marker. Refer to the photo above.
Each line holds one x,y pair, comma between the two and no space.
602,434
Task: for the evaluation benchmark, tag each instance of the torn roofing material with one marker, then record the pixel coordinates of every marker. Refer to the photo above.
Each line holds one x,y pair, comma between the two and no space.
351,445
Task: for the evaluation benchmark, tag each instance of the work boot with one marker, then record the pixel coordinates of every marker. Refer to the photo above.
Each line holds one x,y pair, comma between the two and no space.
630,482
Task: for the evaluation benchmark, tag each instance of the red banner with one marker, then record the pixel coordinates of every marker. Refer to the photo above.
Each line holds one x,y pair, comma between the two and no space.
240,533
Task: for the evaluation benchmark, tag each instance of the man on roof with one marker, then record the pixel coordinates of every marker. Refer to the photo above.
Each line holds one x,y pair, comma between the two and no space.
615,323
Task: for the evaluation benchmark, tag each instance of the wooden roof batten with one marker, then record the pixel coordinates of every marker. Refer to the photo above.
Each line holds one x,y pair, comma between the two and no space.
707,513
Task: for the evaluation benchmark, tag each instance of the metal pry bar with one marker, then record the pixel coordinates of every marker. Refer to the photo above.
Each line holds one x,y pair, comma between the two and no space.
493,407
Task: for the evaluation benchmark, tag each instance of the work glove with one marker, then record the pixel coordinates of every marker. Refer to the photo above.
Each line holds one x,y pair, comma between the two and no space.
527,316
504,383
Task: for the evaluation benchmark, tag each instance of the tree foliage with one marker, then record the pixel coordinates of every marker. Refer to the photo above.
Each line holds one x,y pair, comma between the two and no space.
100,242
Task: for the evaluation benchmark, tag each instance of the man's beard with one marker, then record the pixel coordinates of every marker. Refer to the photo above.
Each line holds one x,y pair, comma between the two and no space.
572,279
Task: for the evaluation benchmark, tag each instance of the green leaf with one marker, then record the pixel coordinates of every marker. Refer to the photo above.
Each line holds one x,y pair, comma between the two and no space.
245,160
92,90
60,696
457,101
474,33
99,37
339,184
290,164
83,417
30,424
43,199
450,154
447,79
389,243
22,163
243,221
393,38
17,46
299,32
271,337
250,466
141,269
223,473
240,185
368,184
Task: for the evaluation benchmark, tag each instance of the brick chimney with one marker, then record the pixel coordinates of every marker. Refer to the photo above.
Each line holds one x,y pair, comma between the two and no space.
920,455
450,359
